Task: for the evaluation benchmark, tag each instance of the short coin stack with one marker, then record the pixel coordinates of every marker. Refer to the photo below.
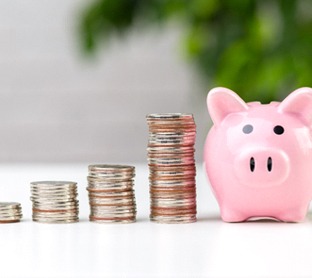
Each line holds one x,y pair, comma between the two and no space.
172,167
54,201
111,194
10,212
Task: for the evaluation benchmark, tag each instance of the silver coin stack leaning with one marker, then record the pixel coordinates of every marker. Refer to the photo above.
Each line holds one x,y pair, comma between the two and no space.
54,201
111,193
172,167
10,212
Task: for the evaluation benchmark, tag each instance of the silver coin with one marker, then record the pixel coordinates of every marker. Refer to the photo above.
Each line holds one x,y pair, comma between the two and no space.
54,195
9,205
105,182
51,202
187,188
165,168
45,201
172,167
177,138
100,203
10,213
111,168
60,187
115,221
96,203
108,202
53,190
113,214
171,126
172,204
156,124
170,155
10,210
96,200
171,161
111,193
55,204
165,176
45,218
172,133
62,191
46,208
110,181
108,188
187,135
172,139
112,178
171,149
55,221
112,198
169,116
52,183
11,218
173,220
65,215
54,201
113,209
167,183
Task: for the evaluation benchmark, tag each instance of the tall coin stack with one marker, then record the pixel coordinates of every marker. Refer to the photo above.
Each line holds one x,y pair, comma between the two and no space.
111,194
172,167
10,212
54,201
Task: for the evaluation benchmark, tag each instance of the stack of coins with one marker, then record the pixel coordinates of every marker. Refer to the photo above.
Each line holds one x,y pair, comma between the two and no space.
172,167
10,212
54,201
111,193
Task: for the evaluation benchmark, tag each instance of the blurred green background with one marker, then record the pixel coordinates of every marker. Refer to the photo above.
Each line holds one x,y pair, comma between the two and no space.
260,49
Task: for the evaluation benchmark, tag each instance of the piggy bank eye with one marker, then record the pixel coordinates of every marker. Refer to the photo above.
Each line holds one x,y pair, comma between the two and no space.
247,129
278,130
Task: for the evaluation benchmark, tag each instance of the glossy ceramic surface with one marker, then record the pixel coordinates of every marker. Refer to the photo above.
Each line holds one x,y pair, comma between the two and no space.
258,157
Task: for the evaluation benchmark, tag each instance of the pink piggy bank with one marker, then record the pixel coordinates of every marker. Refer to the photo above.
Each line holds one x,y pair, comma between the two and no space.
258,157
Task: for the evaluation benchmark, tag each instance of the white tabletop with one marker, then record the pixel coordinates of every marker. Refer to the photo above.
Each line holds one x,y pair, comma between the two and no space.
207,248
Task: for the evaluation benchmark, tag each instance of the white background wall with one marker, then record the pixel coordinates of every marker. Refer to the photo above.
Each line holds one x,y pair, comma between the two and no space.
58,106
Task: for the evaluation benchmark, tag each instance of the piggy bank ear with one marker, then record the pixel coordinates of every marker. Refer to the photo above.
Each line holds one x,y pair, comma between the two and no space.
298,102
223,101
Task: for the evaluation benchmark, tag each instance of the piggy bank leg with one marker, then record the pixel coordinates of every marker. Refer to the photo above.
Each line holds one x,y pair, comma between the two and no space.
232,215
293,215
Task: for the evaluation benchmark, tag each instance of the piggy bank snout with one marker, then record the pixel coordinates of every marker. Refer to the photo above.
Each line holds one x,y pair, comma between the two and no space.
262,167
